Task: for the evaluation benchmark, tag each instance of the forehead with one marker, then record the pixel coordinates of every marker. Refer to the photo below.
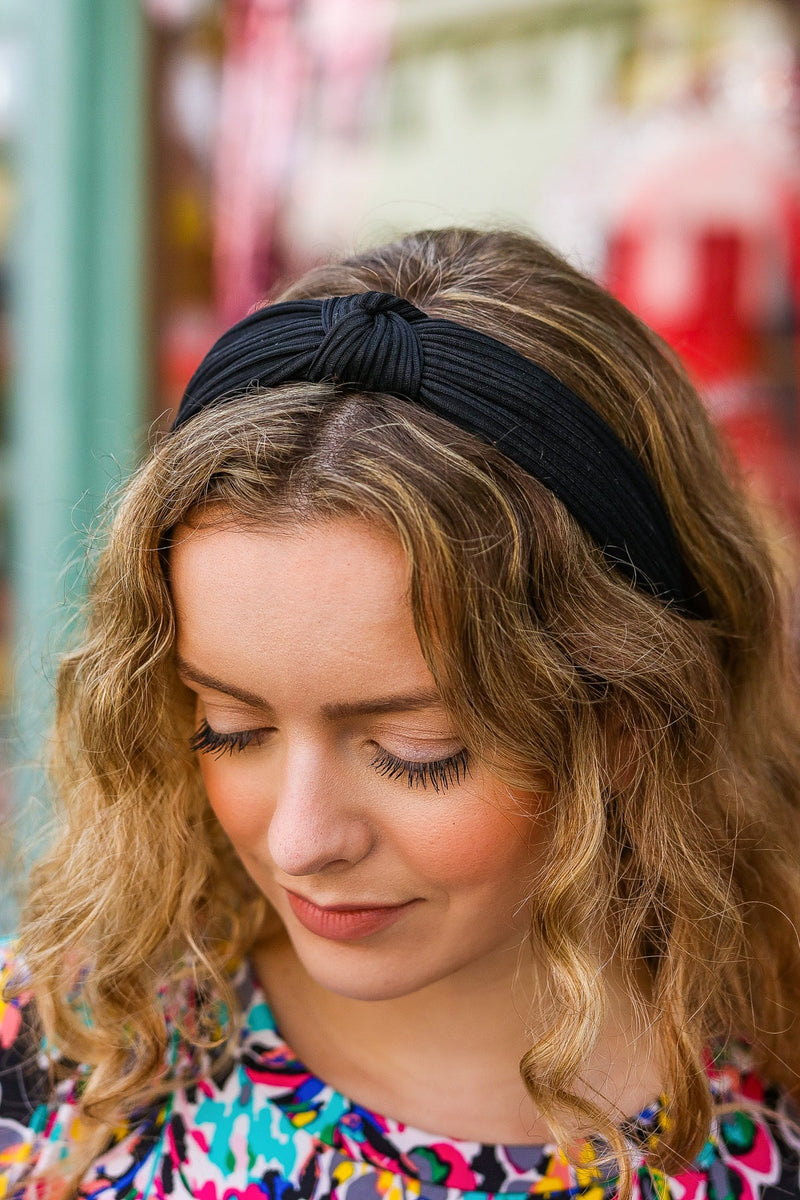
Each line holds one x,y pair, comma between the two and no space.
322,558
294,601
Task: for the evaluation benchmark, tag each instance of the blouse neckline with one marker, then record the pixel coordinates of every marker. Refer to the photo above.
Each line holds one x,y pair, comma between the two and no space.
360,1135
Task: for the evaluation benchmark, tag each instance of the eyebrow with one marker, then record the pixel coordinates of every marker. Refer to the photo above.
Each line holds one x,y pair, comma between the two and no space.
338,711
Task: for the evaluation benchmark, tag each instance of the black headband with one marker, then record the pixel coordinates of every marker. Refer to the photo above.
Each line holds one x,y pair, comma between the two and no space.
379,343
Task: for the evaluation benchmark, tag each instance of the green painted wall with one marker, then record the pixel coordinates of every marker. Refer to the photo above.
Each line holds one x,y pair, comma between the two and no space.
77,411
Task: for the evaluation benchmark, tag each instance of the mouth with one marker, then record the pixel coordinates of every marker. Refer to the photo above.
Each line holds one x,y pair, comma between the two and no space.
345,922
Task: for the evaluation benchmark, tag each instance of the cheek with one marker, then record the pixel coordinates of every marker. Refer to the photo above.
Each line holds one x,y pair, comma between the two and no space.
235,797
482,846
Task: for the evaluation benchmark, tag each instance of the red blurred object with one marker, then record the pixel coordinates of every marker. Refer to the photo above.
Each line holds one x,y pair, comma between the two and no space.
708,327
706,249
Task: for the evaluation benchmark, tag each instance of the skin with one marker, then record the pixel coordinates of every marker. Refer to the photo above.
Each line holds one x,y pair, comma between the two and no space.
303,641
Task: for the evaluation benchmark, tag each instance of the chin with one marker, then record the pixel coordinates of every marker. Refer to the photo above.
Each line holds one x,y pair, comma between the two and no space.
364,974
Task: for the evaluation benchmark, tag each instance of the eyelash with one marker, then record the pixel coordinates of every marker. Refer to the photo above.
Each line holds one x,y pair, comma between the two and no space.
207,741
440,773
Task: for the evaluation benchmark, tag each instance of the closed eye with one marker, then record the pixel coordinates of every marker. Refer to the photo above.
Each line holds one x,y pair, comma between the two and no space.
209,741
439,773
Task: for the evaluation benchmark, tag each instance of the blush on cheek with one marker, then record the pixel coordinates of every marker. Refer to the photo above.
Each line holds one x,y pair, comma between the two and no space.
238,807
475,847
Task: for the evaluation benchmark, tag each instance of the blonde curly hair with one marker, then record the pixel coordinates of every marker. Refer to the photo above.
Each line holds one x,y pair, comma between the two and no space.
682,857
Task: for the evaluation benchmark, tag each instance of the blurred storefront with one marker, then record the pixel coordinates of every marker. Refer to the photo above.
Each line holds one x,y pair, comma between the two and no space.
164,164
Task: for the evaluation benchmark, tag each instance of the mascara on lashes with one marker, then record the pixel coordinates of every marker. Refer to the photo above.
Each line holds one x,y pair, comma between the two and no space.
439,773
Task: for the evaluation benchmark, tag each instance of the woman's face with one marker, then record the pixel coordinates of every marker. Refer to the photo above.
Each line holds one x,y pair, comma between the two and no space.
393,859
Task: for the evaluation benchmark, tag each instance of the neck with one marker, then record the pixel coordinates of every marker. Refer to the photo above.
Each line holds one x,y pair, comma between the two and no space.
430,1058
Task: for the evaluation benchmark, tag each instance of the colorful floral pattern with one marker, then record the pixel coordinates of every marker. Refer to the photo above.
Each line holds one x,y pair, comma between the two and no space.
265,1127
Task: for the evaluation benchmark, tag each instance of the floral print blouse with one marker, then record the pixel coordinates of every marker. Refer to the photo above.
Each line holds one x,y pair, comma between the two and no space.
266,1127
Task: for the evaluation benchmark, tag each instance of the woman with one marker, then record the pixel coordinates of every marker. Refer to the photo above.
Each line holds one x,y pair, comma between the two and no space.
436,708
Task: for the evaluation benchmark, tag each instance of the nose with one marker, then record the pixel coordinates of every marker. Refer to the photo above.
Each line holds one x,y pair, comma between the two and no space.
317,822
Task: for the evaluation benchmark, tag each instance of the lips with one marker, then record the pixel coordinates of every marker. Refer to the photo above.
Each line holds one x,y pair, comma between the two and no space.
345,923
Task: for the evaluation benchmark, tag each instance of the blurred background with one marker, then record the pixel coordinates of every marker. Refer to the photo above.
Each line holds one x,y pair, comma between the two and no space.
166,163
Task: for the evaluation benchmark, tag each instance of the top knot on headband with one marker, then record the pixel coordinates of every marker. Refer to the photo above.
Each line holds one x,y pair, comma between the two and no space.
378,342
369,341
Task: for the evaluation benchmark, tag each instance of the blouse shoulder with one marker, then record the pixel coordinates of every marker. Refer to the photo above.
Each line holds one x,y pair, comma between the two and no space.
24,1074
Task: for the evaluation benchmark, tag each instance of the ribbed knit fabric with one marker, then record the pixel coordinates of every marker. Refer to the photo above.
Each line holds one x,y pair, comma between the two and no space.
380,343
